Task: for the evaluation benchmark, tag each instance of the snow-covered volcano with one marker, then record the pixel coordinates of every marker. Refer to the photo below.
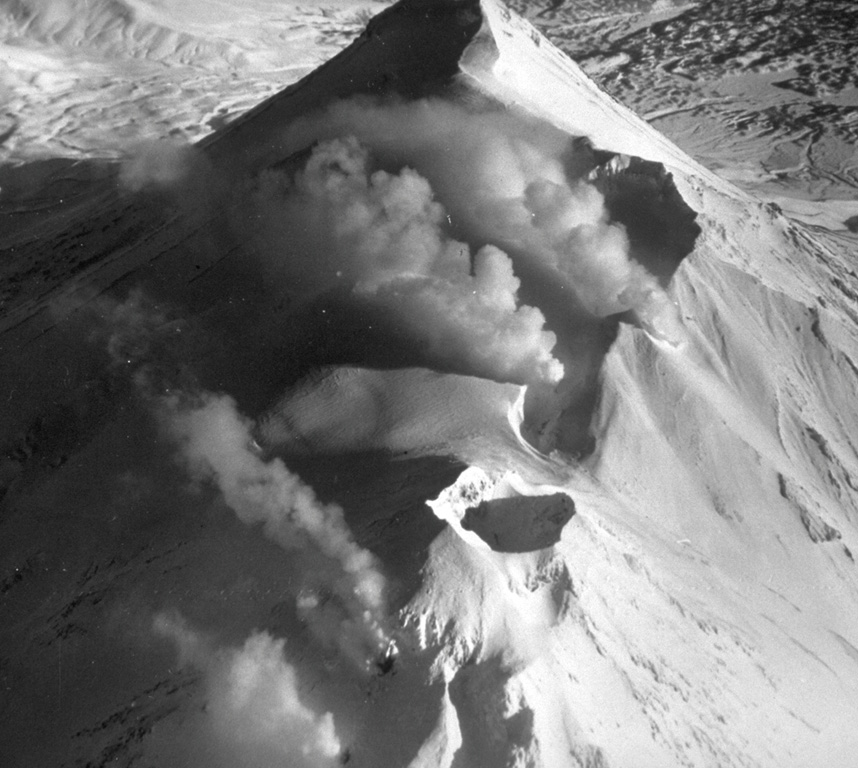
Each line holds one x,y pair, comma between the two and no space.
436,412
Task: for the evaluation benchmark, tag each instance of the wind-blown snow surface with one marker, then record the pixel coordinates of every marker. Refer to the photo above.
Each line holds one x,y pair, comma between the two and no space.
594,507
150,67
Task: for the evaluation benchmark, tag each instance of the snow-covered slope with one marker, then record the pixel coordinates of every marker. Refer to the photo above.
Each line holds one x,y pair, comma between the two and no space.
92,78
552,458
716,586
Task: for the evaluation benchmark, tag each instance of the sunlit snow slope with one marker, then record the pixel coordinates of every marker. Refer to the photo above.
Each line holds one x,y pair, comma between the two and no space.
436,412
89,78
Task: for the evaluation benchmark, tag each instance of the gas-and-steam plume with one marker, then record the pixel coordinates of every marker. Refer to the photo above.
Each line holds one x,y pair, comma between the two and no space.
343,598
255,713
340,221
506,180
342,595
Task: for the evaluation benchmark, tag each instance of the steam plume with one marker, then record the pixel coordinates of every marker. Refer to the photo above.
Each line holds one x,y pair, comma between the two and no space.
507,180
342,596
382,234
255,715
344,599
158,164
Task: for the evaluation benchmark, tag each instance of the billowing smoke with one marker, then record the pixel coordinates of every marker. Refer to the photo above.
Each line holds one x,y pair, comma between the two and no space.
254,713
343,597
504,179
338,221
342,593
177,171
159,164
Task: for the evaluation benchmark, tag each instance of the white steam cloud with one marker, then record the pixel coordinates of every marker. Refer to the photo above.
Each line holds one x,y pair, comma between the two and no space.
179,172
382,233
344,599
507,180
254,713
159,164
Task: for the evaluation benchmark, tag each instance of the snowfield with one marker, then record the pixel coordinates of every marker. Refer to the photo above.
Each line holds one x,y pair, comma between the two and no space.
436,412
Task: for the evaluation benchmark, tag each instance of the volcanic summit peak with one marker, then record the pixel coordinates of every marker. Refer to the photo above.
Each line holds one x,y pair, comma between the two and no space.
417,48
701,602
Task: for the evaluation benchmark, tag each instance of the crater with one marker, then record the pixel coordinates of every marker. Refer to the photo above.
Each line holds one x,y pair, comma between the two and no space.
522,523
